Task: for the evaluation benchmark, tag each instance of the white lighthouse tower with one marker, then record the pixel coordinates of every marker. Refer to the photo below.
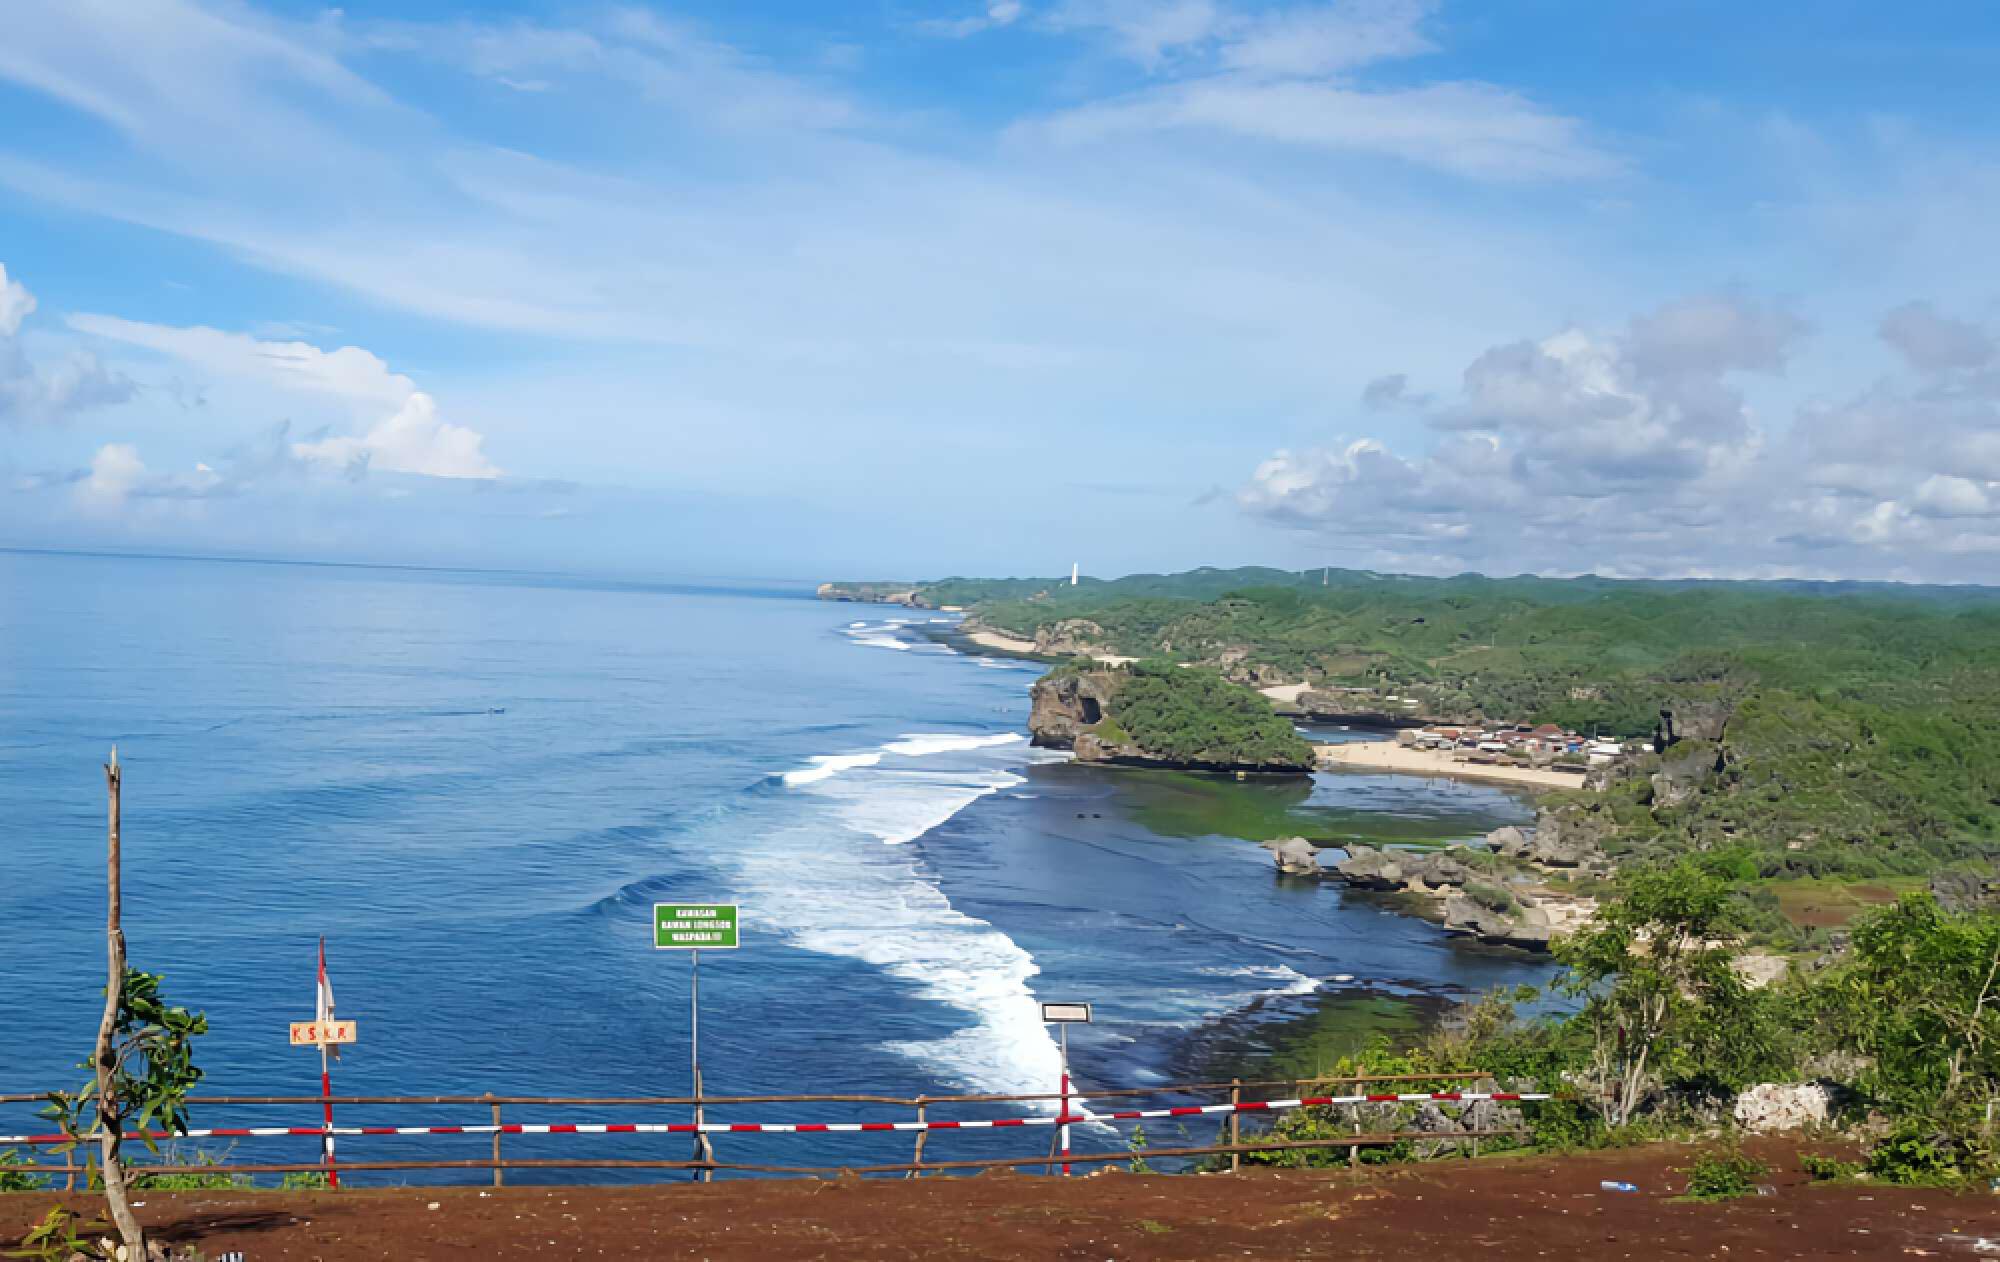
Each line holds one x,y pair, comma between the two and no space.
1072,574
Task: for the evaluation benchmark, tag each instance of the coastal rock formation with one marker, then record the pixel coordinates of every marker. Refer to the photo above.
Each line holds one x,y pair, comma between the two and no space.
1361,709
1959,892
909,594
1072,637
1694,719
1062,707
1474,901
1498,918
1296,856
1078,710
1560,839
1684,769
1771,1107
1390,871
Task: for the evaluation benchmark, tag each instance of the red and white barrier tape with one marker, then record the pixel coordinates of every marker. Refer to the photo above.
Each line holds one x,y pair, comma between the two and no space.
798,1128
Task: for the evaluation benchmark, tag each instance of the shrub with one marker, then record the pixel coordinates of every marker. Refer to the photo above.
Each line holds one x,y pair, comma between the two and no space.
17,1175
1820,1166
1723,1176
1911,1156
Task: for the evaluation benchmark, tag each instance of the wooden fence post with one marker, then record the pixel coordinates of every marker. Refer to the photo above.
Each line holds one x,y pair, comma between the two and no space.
922,1135
498,1175
1235,1124
1354,1150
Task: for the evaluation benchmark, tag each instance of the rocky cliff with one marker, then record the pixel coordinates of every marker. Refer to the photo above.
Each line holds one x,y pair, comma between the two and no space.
1078,710
910,594
1508,904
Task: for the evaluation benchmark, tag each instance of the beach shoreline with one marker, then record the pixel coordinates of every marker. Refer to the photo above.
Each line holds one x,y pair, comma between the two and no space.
1002,642
1391,757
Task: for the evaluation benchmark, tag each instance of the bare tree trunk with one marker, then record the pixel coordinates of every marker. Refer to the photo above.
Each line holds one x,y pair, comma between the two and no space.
109,1122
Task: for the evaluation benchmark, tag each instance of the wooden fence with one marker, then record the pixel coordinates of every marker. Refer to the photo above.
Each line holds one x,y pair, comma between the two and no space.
1230,1141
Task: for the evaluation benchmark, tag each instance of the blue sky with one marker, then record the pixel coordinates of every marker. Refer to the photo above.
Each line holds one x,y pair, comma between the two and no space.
906,288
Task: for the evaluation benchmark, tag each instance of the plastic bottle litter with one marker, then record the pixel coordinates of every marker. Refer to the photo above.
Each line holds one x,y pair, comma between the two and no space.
1613,1185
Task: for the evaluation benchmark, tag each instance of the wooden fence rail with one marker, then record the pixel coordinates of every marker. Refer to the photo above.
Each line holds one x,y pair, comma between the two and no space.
1229,1130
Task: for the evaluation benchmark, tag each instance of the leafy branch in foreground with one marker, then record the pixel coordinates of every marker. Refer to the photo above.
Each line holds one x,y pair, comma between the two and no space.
152,1068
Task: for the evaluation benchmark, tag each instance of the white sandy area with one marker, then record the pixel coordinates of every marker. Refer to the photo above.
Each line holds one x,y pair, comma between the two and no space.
1287,693
1389,756
1002,641
1015,644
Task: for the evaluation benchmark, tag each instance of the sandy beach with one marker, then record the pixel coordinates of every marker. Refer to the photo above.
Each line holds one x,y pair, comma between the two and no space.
1285,694
1389,756
1015,644
1002,641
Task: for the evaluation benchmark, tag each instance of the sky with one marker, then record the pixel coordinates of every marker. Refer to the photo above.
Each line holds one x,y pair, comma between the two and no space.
904,289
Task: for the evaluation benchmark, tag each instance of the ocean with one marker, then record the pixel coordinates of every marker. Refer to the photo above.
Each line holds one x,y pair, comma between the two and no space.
475,785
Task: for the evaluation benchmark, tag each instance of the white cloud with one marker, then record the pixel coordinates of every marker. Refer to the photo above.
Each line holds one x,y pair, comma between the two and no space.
1469,129
1327,39
1936,343
16,304
412,440
1561,453
404,434
117,475
1288,77
997,14
1148,31
45,392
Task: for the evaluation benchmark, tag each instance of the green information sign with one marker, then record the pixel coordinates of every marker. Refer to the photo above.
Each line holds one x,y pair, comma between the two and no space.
694,926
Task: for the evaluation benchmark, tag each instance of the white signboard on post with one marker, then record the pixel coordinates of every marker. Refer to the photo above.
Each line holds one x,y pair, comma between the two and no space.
1066,1013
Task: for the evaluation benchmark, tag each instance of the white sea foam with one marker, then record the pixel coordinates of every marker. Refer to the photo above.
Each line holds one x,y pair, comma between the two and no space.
825,766
891,913
854,626
918,744
1288,980
881,642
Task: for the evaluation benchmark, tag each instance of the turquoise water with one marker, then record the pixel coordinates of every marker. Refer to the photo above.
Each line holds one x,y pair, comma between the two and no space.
475,785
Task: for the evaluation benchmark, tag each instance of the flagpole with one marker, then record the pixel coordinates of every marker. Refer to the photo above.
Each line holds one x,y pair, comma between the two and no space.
325,1074
326,1140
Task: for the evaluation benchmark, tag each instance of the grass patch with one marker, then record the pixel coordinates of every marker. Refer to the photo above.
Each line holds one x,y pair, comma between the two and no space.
1723,1176
1811,903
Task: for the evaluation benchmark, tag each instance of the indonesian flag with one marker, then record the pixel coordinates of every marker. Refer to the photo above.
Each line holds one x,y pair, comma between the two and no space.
323,999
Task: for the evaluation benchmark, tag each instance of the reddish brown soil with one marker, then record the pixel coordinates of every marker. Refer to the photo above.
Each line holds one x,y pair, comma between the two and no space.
1497,1208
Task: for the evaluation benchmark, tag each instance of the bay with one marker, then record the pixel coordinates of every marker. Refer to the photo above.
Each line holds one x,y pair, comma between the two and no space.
475,785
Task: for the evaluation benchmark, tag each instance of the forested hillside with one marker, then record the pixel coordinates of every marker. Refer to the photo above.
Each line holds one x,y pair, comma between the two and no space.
1856,725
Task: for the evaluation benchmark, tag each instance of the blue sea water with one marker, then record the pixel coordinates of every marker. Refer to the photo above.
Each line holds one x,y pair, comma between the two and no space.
475,785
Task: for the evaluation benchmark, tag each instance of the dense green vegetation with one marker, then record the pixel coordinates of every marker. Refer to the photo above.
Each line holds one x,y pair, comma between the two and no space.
1664,1032
1862,735
1197,717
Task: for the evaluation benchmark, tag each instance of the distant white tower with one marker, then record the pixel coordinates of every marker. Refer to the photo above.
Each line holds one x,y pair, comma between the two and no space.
1072,574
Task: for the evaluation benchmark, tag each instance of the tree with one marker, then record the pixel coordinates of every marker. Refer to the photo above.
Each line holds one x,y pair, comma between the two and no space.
143,1064
1919,998
1662,1003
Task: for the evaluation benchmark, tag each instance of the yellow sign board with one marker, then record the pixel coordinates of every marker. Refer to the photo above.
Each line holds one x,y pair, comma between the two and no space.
320,1033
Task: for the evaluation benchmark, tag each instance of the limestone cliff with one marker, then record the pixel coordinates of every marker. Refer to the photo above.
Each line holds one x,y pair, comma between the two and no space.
910,594
1079,710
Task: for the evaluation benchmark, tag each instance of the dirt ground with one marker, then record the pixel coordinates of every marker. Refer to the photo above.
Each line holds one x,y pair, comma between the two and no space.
1497,1208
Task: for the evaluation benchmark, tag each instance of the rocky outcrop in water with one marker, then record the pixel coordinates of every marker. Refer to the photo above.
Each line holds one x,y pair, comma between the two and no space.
1077,710
1499,917
1063,707
1395,871
1296,857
